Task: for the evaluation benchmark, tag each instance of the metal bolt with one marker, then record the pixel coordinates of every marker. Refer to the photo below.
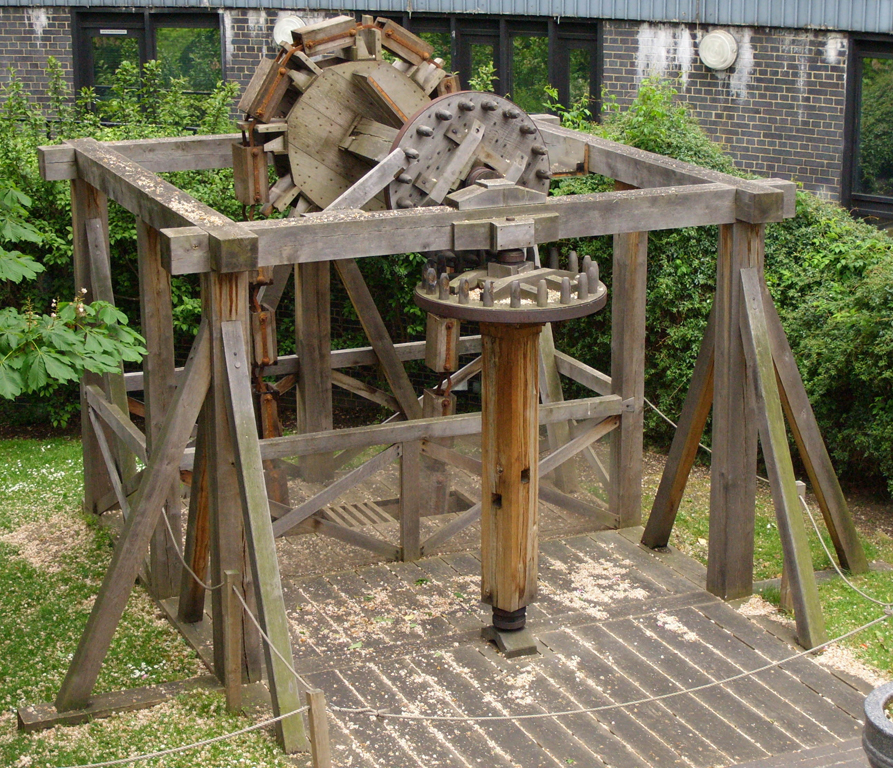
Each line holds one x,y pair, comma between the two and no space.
463,291
430,281
553,258
511,113
565,290
539,149
515,295
489,105
424,130
527,129
487,294
443,287
573,262
405,202
583,287
466,106
542,173
443,114
411,154
404,178
542,294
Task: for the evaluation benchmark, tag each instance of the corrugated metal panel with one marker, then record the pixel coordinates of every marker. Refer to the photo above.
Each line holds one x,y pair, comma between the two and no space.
844,15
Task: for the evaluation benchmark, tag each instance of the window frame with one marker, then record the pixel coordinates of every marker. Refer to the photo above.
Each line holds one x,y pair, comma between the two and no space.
142,25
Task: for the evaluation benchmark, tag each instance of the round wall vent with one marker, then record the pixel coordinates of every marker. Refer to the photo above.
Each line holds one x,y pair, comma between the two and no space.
283,29
718,49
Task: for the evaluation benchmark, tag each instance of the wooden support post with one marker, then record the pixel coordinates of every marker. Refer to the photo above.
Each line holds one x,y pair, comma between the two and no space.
628,374
320,748
410,501
191,607
565,476
509,448
225,298
734,462
233,639
87,202
774,441
313,345
156,316
134,540
378,336
284,689
436,499
812,448
684,448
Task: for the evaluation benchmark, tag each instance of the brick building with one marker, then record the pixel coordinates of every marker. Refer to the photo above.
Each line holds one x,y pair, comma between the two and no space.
803,98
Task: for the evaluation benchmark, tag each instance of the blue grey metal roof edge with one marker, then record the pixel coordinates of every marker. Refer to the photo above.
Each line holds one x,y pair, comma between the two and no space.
868,16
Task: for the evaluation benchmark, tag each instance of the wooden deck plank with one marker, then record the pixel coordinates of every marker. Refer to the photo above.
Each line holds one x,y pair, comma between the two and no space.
584,674
649,662
409,596
472,616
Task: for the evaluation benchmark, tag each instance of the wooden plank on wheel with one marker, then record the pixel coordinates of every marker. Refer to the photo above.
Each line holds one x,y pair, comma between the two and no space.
379,337
773,438
685,445
811,446
135,536
284,688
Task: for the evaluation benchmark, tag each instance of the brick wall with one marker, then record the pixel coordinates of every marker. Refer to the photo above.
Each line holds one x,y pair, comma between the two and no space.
779,110
28,36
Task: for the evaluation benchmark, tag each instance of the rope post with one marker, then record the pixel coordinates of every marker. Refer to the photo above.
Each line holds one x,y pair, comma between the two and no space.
232,641
320,750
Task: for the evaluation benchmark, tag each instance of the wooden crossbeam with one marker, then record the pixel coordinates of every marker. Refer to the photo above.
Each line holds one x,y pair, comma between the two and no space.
284,687
134,539
366,391
571,449
332,237
774,442
285,523
117,421
106,451
583,374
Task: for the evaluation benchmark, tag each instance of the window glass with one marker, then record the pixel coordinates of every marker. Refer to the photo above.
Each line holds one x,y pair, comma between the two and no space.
440,41
190,53
874,147
109,52
580,73
530,72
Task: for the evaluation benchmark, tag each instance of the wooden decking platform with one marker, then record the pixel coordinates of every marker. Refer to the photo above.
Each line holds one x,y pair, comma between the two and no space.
614,624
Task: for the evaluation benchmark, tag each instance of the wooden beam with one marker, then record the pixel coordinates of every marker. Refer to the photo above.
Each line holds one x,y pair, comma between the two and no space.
137,531
410,501
774,441
425,429
286,522
335,236
109,459
191,605
734,462
571,449
117,421
684,448
352,537
347,358
284,688
365,390
628,374
160,204
379,338
186,153
812,448
565,476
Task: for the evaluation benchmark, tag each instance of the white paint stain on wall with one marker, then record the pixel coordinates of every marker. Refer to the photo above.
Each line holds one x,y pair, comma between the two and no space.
257,22
739,80
664,50
835,50
228,38
39,20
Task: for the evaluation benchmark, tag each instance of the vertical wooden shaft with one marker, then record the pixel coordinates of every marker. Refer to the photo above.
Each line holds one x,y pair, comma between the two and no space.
436,474
233,639
410,501
225,297
628,374
191,607
734,461
320,748
565,476
313,345
509,449
88,202
156,315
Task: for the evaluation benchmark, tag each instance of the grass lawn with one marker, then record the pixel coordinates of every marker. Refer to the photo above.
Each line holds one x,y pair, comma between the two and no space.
52,559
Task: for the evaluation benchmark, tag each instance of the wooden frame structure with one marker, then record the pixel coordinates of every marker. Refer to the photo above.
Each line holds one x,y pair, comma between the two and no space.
744,370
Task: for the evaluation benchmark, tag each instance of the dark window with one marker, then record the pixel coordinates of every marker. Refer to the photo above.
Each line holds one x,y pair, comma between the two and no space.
525,55
187,45
868,168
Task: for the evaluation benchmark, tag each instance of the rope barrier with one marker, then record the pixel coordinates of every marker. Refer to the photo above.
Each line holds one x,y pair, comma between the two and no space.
167,524
194,745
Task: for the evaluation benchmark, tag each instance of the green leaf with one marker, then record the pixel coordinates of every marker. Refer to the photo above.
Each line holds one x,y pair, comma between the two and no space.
11,384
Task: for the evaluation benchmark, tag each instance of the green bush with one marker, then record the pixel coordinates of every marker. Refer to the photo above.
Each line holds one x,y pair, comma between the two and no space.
831,278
